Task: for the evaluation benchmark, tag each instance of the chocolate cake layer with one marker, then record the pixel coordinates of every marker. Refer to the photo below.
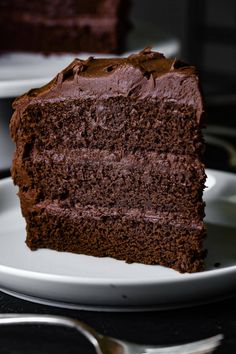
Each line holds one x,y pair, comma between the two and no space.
144,180
109,161
59,8
103,232
84,36
64,26
116,123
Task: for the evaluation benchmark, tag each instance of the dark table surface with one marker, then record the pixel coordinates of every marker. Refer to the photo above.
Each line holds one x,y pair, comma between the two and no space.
159,327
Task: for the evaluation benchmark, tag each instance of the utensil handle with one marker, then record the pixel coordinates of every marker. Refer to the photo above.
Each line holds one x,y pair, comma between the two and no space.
87,331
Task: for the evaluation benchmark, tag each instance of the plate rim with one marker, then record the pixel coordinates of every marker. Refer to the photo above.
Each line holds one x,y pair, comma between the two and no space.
112,308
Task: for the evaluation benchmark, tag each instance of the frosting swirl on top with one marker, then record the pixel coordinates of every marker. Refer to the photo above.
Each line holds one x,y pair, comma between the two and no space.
144,75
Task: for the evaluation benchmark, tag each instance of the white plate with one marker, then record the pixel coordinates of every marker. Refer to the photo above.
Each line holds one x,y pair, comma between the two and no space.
77,281
22,72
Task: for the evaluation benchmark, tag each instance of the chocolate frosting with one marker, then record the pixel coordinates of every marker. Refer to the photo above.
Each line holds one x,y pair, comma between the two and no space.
144,75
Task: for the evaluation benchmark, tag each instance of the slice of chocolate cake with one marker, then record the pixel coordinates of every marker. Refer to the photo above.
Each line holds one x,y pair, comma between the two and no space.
109,161
98,26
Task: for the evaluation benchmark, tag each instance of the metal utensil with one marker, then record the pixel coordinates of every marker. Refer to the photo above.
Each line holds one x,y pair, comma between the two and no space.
108,345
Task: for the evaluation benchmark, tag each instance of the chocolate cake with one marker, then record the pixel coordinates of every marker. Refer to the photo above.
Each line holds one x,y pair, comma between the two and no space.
109,161
98,26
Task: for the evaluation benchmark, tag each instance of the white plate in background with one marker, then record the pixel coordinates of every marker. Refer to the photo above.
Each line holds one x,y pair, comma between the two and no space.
79,281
